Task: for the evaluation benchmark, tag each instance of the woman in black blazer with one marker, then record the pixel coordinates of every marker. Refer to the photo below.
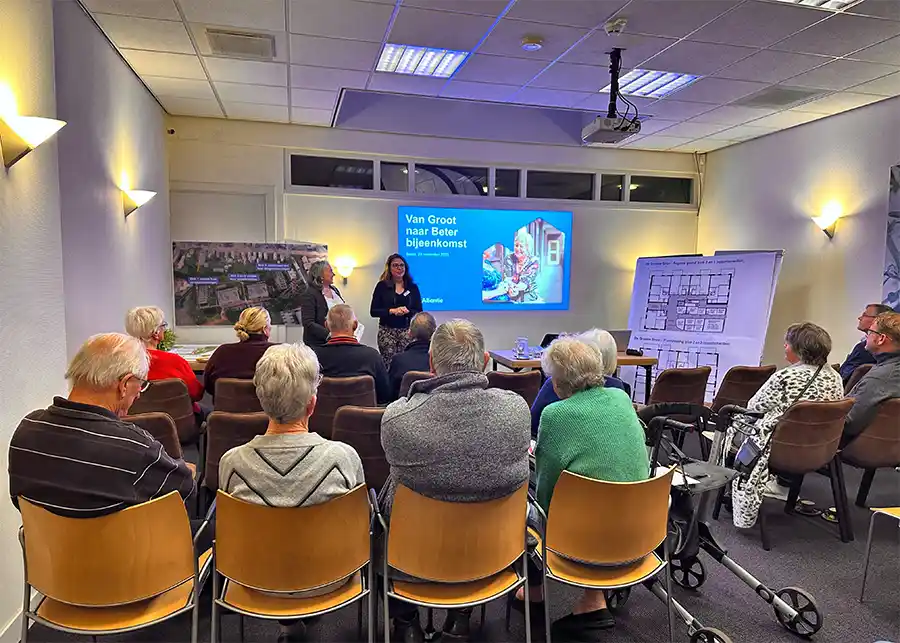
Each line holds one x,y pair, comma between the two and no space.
395,301
320,295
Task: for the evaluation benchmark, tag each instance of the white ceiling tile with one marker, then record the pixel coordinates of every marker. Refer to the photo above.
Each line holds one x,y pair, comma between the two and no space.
718,90
549,97
703,145
636,49
887,52
658,142
573,13
731,115
477,7
758,24
581,78
506,40
693,130
341,19
788,118
478,91
744,132
311,116
142,33
159,9
313,98
485,68
252,72
253,112
885,86
459,31
769,66
839,102
190,106
600,102
155,63
675,18
677,110
331,79
329,52
262,94
840,74
179,87
199,31
878,8
700,58
840,35
266,15
406,84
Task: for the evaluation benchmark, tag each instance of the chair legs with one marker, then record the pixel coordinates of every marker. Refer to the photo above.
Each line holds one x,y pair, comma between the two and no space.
862,590
864,486
546,602
668,580
793,495
839,490
763,527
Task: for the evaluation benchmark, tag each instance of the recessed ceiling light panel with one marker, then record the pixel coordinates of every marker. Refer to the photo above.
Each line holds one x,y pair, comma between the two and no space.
652,84
420,61
834,5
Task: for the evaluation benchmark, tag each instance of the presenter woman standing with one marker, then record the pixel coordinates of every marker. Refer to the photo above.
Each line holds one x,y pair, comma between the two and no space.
317,301
395,301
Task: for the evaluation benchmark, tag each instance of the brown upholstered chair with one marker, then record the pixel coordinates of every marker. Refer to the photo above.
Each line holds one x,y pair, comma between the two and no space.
360,427
686,385
525,383
877,447
170,396
411,377
225,431
236,396
858,373
335,392
740,384
162,428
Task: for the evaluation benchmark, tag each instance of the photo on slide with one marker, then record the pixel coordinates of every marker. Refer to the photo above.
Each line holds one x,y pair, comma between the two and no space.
530,273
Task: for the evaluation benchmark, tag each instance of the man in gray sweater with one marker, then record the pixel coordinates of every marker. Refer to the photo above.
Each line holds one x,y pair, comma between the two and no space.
454,439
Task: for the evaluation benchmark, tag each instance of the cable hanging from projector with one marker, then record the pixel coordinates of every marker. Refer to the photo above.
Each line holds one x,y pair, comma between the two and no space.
615,70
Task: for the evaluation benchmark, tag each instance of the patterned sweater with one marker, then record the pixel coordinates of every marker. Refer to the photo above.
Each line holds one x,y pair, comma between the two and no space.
783,387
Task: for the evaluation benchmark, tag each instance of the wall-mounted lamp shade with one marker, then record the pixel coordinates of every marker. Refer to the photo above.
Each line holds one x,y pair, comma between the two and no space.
344,267
827,221
133,199
21,134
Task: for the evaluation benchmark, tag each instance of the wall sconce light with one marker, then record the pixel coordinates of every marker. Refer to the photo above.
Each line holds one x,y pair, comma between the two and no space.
344,266
133,199
827,221
19,135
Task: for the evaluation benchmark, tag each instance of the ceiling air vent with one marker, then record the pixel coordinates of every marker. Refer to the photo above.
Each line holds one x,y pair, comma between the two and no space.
240,44
778,97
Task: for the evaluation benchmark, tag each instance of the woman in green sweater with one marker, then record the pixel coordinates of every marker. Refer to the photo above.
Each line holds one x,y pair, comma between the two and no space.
592,431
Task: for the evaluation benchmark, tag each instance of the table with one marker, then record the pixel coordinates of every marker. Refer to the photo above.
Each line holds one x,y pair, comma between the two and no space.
196,354
508,359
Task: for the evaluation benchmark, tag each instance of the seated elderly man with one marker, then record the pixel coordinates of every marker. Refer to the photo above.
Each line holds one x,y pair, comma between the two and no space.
882,382
77,458
454,439
343,355
415,356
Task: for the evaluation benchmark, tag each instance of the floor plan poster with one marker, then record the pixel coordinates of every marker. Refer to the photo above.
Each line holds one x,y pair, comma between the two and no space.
701,311
215,281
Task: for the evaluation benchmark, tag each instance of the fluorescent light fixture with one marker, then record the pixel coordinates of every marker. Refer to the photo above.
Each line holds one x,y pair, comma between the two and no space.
19,135
835,5
652,84
420,61
133,199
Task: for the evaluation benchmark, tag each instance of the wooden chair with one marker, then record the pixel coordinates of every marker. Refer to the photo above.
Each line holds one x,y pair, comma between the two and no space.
224,432
269,554
236,396
858,373
687,385
877,447
409,378
740,384
891,512
170,396
360,427
581,549
525,383
162,427
113,574
335,392
465,552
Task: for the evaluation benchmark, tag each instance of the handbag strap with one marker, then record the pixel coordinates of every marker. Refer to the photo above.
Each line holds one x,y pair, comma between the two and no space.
796,399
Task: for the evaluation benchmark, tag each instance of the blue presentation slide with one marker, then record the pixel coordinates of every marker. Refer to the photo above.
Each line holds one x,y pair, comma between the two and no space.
468,259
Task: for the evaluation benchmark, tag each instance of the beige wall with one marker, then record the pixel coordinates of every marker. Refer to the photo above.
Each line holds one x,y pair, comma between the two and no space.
32,329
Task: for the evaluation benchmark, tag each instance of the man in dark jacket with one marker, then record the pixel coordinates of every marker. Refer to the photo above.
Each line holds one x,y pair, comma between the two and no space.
860,355
343,356
415,357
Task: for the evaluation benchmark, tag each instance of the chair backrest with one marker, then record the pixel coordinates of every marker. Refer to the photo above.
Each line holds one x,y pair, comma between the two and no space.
292,549
170,396
455,542
360,427
162,427
525,383
879,443
740,384
858,373
409,378
607,523
224,431
680,385
121,558
236,396
807,436
335,392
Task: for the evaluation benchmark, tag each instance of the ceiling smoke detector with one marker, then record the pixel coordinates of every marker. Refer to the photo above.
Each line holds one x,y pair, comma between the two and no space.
532,43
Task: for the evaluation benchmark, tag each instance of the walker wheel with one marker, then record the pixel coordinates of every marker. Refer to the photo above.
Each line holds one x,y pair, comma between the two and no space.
808,620
709,635
616,598
689,572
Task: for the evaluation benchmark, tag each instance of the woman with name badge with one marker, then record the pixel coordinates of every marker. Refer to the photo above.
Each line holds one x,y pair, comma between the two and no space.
395,301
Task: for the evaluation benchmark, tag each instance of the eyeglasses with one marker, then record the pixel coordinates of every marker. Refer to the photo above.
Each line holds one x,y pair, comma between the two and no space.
398,265
872,331
868,315
164,325
145,384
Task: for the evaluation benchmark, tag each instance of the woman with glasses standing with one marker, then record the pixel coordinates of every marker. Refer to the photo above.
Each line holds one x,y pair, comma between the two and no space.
395,301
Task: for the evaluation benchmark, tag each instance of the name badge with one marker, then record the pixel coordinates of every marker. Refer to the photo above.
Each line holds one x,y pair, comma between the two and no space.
405,293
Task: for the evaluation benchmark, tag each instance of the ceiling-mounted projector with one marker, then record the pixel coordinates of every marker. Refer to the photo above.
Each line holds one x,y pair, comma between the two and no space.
609,131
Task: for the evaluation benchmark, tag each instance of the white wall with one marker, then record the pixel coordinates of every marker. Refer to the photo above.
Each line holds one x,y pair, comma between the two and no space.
761,195
115,126
32,329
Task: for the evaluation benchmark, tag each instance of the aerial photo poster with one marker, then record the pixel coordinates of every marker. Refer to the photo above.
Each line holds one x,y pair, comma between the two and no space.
215,281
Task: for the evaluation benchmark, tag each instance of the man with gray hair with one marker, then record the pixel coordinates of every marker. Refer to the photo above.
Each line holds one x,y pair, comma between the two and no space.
415,356
77,458
454,439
